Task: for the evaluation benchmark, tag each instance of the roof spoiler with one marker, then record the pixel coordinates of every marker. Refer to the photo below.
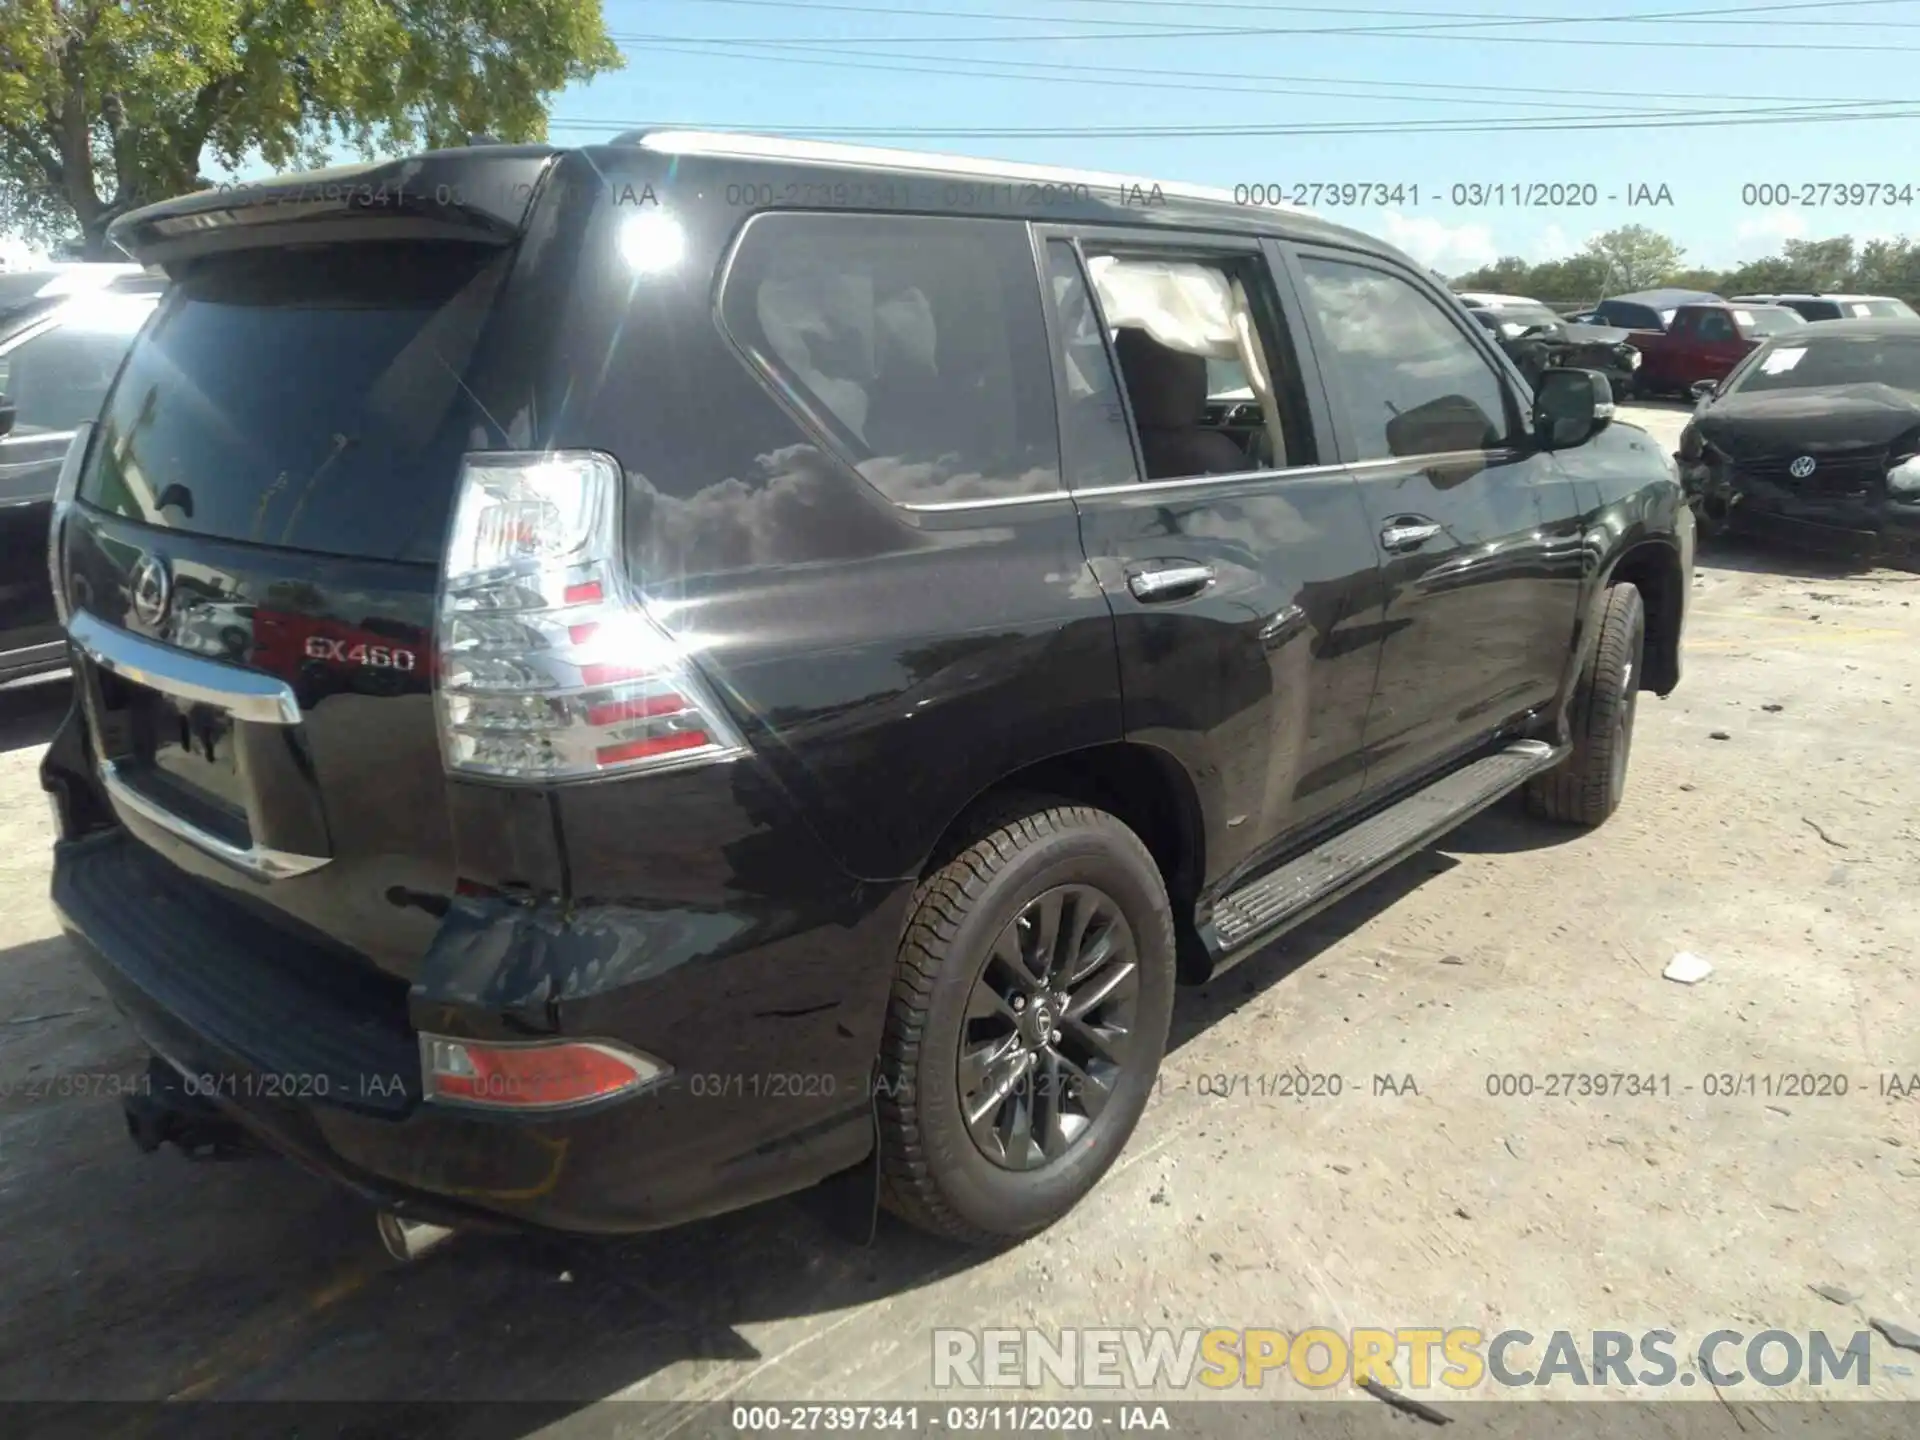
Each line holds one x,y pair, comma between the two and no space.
480,194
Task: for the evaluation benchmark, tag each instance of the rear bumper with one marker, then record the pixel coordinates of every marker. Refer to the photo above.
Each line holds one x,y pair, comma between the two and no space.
318,1056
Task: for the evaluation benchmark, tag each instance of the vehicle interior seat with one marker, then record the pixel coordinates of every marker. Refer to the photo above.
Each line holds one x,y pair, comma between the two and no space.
1168,389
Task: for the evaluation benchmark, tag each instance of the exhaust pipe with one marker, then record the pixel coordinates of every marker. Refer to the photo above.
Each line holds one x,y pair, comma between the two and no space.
409,1239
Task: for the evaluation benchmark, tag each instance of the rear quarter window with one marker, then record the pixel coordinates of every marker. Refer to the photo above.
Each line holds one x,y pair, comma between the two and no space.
917,347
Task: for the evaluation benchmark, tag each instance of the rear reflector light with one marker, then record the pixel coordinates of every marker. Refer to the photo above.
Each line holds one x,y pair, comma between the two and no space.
539,1076
550,665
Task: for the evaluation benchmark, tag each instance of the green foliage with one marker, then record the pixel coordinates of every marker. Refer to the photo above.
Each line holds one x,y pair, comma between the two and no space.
1622,261
105,106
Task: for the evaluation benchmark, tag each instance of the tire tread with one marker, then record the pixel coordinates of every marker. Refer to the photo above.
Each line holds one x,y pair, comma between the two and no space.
941,902
1579,791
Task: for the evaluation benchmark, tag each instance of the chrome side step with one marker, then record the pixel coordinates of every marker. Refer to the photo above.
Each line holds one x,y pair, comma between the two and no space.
1264,908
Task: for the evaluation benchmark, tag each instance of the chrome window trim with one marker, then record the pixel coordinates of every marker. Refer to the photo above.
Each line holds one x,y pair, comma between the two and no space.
244,694
259,860
1235,477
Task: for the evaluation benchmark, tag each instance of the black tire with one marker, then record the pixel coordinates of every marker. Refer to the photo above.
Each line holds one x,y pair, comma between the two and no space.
1029,852
1586,787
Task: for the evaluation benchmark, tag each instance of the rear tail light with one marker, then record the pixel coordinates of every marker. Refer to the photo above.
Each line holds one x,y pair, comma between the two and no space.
545,1075
550,666
64,489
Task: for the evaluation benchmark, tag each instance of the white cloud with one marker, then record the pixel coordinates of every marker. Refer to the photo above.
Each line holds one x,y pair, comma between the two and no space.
1447,248
1763,234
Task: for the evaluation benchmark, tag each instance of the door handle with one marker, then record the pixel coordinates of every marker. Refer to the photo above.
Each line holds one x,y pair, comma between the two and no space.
1406,534
1169,582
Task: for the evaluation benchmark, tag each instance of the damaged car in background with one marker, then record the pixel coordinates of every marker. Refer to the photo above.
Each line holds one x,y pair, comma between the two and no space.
1814,440
1538,340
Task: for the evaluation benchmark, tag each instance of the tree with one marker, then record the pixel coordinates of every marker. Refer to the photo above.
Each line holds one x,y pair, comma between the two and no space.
1509,275
1698,279
1636,258
1577,280
107,106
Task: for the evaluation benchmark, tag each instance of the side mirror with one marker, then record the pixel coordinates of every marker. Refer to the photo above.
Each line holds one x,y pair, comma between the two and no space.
1570,407
9,412
1703,390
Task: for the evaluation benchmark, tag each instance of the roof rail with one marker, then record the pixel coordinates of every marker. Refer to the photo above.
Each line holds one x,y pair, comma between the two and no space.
822,152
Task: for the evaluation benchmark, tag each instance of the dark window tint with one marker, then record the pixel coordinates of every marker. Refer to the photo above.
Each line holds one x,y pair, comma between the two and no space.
918,345
306,399
57,379
1629,317
1685,325
1715,325
1094,419
1409,380
1815,309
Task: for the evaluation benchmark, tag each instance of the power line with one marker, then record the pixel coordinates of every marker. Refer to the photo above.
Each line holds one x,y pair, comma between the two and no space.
1424,20
1110,75
1651,120
1443,30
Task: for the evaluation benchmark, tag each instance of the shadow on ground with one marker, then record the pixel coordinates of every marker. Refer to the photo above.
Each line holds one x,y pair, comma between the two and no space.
147,1277
30,715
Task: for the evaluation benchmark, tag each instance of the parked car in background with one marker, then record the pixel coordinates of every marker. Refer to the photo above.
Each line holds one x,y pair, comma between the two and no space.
1814,439
1648,310
1540,340
1816,306
57,358
1705,342
840,665
44,285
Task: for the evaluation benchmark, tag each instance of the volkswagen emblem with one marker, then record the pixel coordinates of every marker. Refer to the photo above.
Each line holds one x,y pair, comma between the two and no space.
152,588
1801,468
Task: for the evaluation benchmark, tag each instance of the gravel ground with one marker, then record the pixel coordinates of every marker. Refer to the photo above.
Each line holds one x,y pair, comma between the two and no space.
1771,827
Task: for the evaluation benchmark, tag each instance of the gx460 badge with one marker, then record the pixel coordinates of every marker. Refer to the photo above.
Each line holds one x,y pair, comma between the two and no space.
381,657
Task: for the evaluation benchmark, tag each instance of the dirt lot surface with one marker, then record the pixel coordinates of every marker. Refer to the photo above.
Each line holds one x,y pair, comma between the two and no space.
1772,827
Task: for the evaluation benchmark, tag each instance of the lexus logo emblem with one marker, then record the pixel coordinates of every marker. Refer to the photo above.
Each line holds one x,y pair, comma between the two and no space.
1801,468
152,588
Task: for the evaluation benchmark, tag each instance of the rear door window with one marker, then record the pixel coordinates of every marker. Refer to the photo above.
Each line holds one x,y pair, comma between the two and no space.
1409,380
308,399
916,346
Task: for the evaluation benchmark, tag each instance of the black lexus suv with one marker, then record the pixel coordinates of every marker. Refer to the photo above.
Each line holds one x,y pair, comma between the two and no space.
615,683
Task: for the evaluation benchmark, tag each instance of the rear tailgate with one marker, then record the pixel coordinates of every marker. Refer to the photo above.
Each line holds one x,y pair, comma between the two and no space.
251,560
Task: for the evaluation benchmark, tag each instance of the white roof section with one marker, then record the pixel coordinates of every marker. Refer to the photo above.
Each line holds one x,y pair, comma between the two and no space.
1497,302
821,152
1772,297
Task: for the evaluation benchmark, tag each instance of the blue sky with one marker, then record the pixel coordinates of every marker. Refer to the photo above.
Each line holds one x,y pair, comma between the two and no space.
893,72
898,70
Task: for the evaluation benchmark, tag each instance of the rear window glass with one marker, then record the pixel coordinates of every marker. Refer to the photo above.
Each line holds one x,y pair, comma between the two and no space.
917,346
307,399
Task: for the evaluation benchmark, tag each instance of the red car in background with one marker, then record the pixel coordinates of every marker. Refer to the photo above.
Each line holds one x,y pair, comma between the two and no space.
1705,342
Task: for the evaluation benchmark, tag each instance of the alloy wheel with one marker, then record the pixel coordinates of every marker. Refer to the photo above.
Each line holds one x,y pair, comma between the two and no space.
1049,1028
